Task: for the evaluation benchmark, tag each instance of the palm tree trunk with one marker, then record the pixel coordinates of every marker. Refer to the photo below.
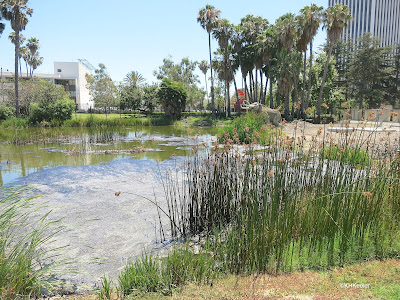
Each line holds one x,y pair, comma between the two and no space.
309,77
255,88
237,96
246,90
265,90
287,106
212,80
303,92
208,99
321,90
16,73
26,65
261,87
251,86
271,94
228,102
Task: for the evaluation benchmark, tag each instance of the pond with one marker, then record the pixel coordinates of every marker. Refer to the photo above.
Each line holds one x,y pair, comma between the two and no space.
77,173
27,151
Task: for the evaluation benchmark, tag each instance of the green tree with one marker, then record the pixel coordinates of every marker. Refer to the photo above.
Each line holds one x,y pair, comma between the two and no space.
343,52
134,79
369,71
130,97
331,95
172,96
102,88
17,12
34,59
207,17
182,72
393,95
335,18
149,98
130,91
39,91
223,32
309,21
286,35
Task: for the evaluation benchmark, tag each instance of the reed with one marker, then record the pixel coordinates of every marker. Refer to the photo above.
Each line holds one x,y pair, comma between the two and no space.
289,206
26,261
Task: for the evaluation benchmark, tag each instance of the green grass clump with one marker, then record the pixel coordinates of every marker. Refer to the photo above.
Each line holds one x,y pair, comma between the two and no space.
15,123
347,154
246,129
25,266
150,274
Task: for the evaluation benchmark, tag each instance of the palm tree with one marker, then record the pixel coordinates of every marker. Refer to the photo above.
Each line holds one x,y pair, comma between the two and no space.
223,33
309,22
34,59
134,79
207,17
12,38
204,66
286,35
335,18
252,27
17,12
222,66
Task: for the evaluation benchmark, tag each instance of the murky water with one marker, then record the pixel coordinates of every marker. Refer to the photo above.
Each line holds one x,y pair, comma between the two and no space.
77,173
27,151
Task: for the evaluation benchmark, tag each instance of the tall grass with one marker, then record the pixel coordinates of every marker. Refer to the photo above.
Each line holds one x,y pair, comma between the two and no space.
290,206
246,129
26,268
150,274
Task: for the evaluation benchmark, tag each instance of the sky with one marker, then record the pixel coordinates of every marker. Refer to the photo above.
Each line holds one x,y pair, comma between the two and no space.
131,35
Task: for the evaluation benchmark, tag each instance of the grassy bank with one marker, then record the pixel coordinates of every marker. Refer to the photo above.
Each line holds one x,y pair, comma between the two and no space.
116,120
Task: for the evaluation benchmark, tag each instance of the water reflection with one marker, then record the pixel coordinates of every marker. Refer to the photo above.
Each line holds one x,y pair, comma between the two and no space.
26,151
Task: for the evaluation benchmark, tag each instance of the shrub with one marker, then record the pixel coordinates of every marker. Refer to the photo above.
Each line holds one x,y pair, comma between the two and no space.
61,110
246,128
5,112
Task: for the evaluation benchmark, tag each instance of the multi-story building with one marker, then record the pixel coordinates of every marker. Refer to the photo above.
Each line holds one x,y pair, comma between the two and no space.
379,17
70,75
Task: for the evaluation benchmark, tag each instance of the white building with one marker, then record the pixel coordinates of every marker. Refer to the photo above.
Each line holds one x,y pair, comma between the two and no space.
70,75
379,17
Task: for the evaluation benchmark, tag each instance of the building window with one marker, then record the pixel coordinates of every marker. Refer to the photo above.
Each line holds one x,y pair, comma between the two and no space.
59,70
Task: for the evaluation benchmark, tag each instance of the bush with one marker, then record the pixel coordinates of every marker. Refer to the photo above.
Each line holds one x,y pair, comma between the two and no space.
61,110
246,128
5,112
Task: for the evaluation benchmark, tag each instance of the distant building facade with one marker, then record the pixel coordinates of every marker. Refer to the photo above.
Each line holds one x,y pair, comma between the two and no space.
379,17
70,75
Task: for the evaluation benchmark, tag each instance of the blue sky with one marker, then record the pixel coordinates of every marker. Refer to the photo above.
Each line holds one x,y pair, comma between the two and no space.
132,35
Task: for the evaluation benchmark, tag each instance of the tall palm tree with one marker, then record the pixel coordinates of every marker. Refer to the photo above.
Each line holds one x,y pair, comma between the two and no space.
335,18
12,38
286,35
17,12
34,60
309,22
223,32
207,17
204,66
